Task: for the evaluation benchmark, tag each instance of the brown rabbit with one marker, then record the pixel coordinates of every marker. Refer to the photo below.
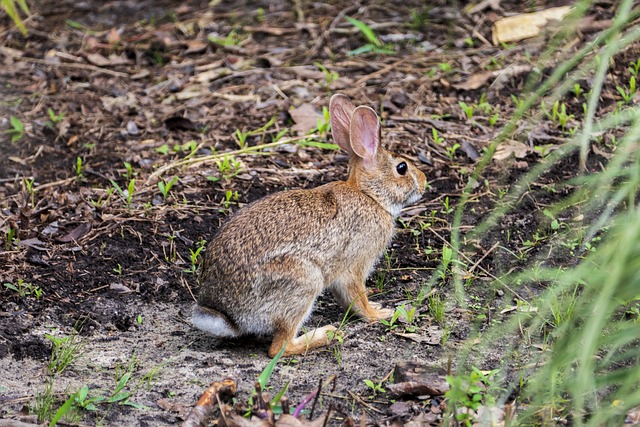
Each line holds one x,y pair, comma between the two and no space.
267,265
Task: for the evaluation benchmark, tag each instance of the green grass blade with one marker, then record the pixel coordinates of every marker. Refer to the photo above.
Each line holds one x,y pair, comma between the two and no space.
365,30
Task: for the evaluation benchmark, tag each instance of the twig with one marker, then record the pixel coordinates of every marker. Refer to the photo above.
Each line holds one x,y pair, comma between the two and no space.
77,66
213,157
363,403
380,72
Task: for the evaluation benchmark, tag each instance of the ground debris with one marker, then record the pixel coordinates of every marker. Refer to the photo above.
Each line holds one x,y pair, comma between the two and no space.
417,379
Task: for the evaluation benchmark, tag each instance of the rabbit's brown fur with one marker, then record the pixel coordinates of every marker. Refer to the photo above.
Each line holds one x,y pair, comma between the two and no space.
267,265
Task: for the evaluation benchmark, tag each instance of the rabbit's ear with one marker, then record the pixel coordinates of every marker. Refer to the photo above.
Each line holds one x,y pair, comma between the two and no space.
365,134
341,109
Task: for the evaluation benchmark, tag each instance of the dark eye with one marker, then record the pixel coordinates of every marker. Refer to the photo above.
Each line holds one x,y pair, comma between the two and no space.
402,168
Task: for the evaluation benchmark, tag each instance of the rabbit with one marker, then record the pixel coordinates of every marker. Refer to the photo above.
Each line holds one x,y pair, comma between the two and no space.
264,269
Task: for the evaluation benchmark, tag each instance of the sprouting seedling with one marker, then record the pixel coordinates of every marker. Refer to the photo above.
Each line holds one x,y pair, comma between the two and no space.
17,129
78,167
374,44
436,136
228,166
241,138
376,388
55,118
467,109
165,187
329,76
493,119
451,151
28,183
627,95
194,256
324,123
634,68
577,89
129,174
127,194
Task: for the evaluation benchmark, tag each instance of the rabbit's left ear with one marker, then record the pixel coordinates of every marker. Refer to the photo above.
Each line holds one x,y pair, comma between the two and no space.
340,110
365,134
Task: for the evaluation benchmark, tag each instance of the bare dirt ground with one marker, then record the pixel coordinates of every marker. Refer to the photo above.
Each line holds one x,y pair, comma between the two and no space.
110,93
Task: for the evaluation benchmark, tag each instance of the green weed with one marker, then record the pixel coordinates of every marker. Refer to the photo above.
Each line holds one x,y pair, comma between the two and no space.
374,45
165,186
25,289
17,129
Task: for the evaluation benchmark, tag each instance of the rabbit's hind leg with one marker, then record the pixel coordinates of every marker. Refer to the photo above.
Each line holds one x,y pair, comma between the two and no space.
310,340
213,322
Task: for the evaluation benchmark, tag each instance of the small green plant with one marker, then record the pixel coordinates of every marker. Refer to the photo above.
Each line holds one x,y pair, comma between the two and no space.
17,129
228,166
577,90
28,184
230,198
232,39
628,95
436,136
437,308
118,269
194,256
493,119
129,173
165,186
634,68
241,138
445,67
323,125
10,237
517,102
558,114
467,392
467,109
392,322
451,151
78,167
329,76
376,388
55,118
25,289
374,45
447,208
127,195
65,350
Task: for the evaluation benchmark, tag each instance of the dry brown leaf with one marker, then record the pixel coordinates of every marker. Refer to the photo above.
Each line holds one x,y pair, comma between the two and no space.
306,118
474,81
511,148
76,233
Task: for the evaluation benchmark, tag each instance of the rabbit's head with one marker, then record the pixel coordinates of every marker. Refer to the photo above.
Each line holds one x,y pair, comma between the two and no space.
391,180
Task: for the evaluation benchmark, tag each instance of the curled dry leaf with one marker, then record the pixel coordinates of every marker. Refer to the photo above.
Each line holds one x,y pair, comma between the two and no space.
306,118
511,148
76,233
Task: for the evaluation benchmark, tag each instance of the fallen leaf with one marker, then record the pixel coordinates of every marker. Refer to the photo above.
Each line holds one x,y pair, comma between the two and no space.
474,81
120,288
306,118
511,148
33,243
76,233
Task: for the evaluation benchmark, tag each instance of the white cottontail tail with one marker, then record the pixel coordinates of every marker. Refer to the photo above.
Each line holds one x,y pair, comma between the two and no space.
269,262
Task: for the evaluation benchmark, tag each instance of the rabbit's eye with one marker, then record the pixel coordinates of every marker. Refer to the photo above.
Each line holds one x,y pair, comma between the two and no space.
402,168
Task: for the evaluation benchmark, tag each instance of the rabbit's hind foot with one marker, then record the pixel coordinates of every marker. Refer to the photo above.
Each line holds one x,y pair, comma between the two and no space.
310,340
213,322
